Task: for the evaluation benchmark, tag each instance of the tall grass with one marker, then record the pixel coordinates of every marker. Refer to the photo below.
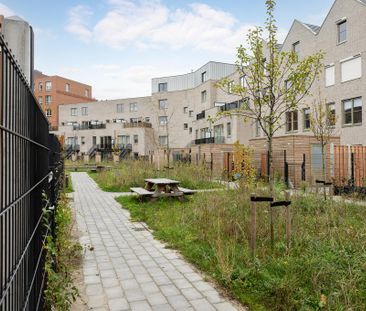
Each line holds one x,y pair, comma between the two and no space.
325,268
133,173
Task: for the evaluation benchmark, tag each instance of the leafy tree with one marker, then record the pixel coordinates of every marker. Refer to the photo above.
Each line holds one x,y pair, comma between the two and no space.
273,82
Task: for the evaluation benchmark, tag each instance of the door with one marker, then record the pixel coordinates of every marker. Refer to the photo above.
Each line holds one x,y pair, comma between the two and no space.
94,140
316,162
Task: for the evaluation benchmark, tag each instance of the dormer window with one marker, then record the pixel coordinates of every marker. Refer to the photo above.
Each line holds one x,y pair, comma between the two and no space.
342,31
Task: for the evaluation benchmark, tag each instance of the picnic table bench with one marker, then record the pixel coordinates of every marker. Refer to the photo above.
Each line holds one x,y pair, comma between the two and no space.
161,187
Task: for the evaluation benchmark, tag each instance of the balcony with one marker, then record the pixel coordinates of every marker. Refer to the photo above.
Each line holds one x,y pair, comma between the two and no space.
210,140
201,115
77,127
231,106
137,124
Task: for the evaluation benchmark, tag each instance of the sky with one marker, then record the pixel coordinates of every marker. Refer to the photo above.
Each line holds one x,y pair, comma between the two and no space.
117,46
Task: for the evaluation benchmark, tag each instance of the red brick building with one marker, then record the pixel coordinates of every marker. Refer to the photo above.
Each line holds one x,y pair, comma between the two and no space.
51,91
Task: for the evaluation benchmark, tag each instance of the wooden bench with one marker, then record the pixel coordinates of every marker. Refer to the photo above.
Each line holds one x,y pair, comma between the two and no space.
186,191
142,192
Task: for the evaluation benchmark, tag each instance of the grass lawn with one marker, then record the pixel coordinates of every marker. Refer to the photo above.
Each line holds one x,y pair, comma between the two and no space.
325,269
129,174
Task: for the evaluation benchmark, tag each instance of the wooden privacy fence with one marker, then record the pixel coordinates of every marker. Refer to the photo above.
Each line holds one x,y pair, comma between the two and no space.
348,165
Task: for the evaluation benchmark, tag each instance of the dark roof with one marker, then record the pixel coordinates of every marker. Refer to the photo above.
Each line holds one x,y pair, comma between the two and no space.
314,28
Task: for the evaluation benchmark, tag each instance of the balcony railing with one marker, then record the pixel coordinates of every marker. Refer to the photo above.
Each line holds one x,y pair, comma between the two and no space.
201,115
88,126
231,106
210,140
137,124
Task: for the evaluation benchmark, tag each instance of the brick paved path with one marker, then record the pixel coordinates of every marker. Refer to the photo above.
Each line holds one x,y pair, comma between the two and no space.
126,269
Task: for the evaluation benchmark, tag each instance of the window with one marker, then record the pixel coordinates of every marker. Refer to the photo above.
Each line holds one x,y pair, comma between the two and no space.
120,108
48,99
288,84
123,140
230,86
49,113
84,111
185,126
163,87
291,121
48,85
331,114
191,113
296,47
163,120
86,93
133,107
228,129
203,76
257,129
67,87
163,104
352,109
74,111
185,109
40,86
40,100
306,116
203,96
147,119
134,120
351,68
135,139
243,81
329,75
163,140
342,31
190,130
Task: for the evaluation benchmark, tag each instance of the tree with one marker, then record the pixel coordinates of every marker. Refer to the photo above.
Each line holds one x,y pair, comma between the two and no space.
322,124
273,82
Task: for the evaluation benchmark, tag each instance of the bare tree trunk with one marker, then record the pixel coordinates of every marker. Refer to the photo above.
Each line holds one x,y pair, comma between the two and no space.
270,163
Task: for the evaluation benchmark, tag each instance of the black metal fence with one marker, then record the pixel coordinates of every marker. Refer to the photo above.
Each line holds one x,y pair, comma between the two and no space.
26,153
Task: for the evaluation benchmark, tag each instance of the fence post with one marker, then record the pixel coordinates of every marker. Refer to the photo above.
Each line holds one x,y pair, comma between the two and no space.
271,226
253,226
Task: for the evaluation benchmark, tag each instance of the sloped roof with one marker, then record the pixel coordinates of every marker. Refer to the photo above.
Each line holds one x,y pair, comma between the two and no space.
314,28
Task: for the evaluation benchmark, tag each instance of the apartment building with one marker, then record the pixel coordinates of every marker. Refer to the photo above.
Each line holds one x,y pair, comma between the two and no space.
174,117
52,91
179,109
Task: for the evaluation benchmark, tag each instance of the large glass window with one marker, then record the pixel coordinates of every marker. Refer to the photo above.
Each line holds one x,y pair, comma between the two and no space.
296,47
203,76
163,104
74,111
292,121
120,108
342,31
228,129
48,85
203,96
163,120
306,116
133,107
331,114
351,68
67,87
163,87
48,99
163,140
329,75
84,111
352,111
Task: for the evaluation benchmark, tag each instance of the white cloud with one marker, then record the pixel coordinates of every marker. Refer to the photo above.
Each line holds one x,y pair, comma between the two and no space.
5,10
78,22
148,24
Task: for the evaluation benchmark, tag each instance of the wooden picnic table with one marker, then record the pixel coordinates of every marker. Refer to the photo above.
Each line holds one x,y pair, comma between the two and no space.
162,187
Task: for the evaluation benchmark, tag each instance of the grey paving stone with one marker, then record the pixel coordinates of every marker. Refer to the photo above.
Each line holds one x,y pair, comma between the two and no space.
118,304
135,271
140,306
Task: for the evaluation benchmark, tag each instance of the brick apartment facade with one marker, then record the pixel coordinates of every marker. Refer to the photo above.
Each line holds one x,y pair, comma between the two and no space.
52,91
180,106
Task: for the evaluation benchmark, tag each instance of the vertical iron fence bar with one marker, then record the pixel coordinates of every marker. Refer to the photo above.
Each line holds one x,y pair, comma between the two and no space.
25,148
